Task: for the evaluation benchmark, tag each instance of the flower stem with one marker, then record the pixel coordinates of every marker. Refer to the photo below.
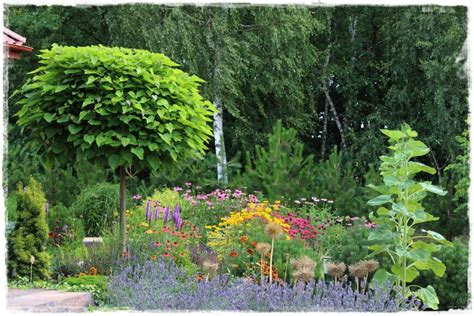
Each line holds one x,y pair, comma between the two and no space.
271,261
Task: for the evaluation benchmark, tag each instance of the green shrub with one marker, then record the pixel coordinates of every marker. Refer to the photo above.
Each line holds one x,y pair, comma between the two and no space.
67,260
96,205
74,258
63,225
27,242
104,258
452,287
96,280
352,246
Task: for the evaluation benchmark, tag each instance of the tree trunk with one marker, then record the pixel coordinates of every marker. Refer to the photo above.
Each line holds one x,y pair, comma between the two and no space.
219,143
329,100
123,206
325,129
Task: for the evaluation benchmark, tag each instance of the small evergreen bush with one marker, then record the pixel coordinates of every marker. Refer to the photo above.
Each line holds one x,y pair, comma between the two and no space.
27,243
96,205
280,169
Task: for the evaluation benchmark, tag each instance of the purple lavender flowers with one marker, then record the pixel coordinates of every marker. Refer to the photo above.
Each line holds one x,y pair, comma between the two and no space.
160,286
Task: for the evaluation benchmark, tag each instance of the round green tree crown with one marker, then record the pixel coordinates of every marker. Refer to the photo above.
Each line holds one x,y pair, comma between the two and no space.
118,106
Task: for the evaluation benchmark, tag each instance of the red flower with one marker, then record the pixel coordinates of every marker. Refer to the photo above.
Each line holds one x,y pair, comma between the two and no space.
243,239
157,244
233,253
253,243
249,251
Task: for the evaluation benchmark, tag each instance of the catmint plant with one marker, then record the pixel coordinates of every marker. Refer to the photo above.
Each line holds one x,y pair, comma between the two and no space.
409,248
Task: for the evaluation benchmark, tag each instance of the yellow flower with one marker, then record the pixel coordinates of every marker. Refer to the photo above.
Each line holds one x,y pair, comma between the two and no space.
150,231
143,224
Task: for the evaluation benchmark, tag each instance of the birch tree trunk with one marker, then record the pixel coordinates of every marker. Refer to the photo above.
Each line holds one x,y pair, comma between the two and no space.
325,85
219,143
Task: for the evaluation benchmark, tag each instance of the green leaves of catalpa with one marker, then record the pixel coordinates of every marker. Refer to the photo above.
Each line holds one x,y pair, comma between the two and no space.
400,210
114,105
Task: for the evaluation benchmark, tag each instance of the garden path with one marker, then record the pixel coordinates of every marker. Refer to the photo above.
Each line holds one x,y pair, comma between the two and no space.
47,301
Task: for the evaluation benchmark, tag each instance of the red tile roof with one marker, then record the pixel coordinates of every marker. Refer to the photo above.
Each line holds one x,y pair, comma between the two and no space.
15,44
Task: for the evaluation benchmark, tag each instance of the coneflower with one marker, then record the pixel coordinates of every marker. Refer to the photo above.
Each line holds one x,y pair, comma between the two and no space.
336,270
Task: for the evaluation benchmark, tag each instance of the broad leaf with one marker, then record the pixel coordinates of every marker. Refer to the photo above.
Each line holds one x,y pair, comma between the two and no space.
138,151
382,278
380,200
428,297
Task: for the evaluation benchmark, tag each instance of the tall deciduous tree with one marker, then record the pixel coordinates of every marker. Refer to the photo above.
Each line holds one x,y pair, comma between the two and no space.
121,107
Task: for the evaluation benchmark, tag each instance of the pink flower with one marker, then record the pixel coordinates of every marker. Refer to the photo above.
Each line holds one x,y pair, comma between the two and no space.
209,203
178,189
188,184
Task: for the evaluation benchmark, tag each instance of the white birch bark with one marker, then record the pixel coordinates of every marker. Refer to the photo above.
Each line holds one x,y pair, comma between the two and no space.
219,143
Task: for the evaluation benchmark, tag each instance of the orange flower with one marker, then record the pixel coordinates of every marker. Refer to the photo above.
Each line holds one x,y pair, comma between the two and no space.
93,271
50,235
82,274
200,277
153,258
253,243
181,254
233,253
243,239
249,251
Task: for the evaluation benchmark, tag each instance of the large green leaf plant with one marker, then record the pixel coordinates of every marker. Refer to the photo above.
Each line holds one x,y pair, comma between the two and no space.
399,214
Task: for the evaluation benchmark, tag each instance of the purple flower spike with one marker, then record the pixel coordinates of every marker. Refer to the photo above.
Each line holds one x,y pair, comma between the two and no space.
147,209
176,215
167,214
46,207
179,223
156,213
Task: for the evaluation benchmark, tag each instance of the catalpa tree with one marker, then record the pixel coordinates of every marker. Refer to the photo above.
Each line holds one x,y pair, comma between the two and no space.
125,108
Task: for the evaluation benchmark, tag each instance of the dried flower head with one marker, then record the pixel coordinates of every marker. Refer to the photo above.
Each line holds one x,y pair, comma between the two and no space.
358,270
305,274
303,262
336,269
371,265
210,267
262,248
273,230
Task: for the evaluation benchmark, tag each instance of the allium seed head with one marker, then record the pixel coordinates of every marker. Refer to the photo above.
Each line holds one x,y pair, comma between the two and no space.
336,269
273,230
262,248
